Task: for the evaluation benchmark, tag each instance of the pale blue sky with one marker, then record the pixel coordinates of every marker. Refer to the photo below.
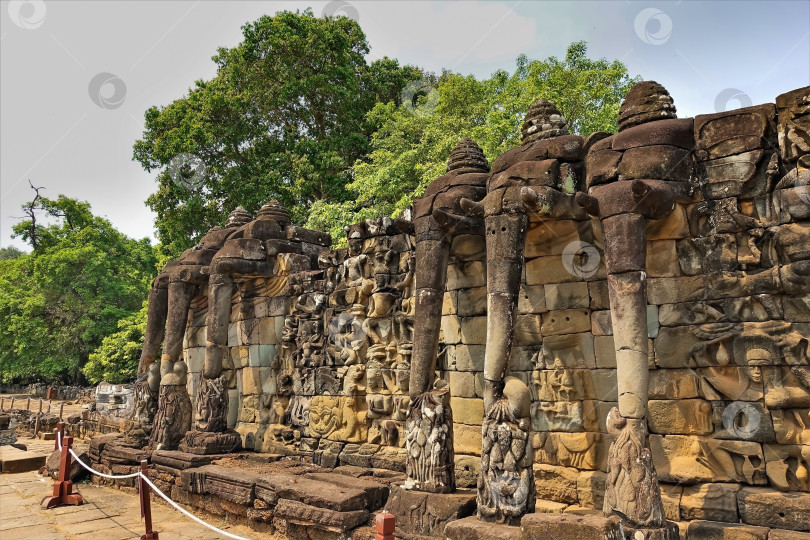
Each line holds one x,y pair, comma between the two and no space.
53,133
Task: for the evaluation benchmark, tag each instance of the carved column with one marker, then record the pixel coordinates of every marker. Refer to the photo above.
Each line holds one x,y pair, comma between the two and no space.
525,181
623,206
430,464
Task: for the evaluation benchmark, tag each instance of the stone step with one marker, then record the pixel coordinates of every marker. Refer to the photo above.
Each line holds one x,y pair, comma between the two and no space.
13,460
471,528
376,492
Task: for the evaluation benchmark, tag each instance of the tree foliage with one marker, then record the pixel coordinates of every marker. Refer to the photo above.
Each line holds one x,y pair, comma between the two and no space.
284,118
116,359
58,302
408,151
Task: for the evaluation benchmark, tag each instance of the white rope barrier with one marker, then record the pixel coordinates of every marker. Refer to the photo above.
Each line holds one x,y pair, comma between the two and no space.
155,488
189,514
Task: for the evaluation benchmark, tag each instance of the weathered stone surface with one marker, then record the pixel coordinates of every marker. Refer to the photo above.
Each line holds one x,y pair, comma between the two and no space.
591,489
556,483
427,514
471,528
288,511
775,509
376,492
687,416
712,502
569,527
711,530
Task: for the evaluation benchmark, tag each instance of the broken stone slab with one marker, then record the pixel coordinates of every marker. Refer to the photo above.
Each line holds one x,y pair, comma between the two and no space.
311,492
777,509
304,515
376,492
76,470
471,528
420,513
179,460
570,527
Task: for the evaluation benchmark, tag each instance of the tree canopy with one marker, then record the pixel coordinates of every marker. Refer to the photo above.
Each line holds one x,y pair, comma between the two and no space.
58,302
284,118
408,150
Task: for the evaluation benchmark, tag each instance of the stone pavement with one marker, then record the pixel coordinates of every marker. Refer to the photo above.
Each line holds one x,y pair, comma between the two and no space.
108,514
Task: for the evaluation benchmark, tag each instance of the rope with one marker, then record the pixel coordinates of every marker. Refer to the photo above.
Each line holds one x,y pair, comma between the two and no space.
189,514
155,488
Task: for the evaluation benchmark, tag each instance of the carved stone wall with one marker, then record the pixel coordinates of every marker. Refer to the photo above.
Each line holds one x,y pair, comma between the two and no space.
319,354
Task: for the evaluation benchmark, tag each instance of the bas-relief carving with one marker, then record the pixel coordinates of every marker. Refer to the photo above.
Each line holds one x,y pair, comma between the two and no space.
788,466
338,418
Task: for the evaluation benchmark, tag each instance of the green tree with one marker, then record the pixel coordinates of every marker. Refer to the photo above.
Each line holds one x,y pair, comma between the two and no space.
408,151
284,118
10,252
58,302
116,359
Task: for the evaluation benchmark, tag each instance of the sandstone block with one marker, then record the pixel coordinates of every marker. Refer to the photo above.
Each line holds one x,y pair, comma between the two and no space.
427,514
558,269
569,527
769,508
712,502
711,530
474,330
467,411
567,295
532,299
471,528
472,301
557,484
462,384
466,275
550,237
685,416
528,330
469,357
566,321
671,499
591,489
467,439
674,384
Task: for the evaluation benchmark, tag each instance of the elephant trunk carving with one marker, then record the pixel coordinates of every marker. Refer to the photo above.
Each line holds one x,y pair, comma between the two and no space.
429,426
623,206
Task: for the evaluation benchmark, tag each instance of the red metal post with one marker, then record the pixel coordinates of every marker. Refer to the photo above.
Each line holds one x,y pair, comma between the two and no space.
146,504
385,525
63,487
